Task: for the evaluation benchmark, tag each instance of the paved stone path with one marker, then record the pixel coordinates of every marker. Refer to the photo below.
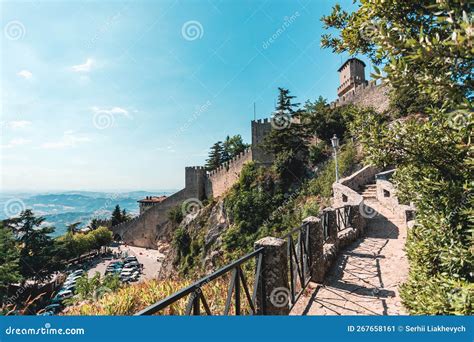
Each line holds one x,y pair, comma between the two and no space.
365,277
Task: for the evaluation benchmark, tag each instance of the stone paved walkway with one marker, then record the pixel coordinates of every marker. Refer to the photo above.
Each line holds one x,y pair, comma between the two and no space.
364,279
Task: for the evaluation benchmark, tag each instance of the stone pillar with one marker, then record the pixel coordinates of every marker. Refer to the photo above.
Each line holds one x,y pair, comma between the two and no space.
316,251
273,293
332,228
356,220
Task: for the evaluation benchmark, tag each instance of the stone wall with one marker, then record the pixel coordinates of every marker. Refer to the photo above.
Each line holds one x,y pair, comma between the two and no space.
146,229
346,191
223,178
260,129
387,196
366,95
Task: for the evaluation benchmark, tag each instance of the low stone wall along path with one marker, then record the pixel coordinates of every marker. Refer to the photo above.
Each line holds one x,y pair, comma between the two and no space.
365,278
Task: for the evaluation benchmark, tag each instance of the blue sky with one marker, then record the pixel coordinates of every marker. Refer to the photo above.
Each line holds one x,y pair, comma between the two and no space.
108,95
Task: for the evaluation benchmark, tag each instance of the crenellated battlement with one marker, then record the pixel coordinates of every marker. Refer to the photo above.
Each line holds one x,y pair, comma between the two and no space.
261,121
371,94
228,164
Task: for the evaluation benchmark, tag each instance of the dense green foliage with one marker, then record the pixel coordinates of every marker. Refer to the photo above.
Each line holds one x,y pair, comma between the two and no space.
287,141
426,51
95,287
38,250
119,216
74,245
175,214
323,121
9,260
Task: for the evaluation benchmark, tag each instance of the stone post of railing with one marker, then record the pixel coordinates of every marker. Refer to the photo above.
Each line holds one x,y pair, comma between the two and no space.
273,293
357,220
316,251
332,228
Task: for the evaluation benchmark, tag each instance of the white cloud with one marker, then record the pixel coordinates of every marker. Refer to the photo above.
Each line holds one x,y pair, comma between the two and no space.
168,148
18,124
16,142
69,139
111,111
86,67
26,74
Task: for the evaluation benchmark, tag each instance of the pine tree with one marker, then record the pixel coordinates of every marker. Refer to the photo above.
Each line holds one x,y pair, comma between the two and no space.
116,216
38,251
287,140
125,216
215,156
9,260
226,150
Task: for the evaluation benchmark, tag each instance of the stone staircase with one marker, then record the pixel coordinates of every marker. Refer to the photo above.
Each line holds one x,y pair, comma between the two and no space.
369,191
377,212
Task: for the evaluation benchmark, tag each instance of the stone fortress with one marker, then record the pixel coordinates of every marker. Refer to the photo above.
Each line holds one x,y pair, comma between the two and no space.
148,228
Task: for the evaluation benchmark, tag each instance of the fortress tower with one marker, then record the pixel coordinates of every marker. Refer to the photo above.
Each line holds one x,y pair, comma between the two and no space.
260,129
351,75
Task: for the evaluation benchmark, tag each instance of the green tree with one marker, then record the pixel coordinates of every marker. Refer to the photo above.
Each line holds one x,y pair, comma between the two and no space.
215,156
427,46
73,228
9,260
117,216
323,121
232,147
287,140
102,236
38,251
125,216
98,222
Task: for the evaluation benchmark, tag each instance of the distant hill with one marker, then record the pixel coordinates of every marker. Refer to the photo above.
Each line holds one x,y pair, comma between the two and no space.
63,208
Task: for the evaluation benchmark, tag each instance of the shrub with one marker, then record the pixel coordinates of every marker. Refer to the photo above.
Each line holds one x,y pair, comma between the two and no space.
175,214
318,153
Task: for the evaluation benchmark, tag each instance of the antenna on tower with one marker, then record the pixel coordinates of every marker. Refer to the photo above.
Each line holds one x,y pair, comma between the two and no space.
254,112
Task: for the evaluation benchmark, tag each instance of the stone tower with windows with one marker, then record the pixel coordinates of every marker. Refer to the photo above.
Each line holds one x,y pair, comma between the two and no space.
351,75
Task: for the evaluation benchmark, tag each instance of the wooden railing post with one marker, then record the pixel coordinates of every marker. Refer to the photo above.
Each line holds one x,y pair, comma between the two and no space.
273,293
316,251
